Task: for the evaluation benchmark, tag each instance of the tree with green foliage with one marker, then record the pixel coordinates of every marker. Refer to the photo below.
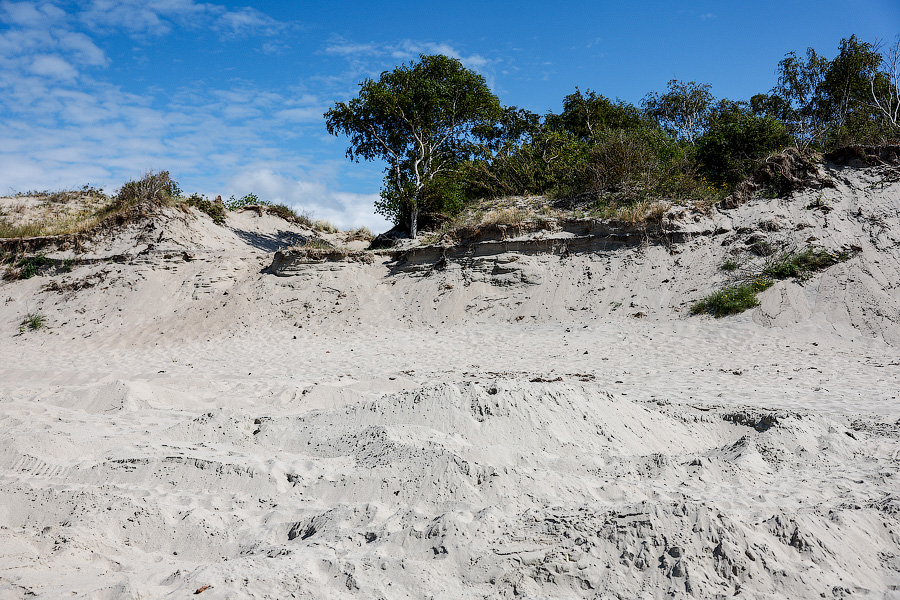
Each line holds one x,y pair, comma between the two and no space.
683,110
829,103
735,139
846,94
589,115
885,88
422,118
797,98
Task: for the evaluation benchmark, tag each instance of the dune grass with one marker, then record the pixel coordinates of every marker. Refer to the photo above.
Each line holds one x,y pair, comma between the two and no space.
33,321
732,299
740,295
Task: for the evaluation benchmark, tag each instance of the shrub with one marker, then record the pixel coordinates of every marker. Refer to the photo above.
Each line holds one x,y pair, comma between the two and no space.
250,199
736,139
215,210
156,188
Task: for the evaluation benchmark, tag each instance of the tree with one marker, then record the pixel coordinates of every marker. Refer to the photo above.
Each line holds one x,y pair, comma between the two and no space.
682,110
421,118
800,88
846,93
885,87
736,139
589,115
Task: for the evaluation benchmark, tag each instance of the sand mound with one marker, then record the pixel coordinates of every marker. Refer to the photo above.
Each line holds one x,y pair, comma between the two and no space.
498,490
531,411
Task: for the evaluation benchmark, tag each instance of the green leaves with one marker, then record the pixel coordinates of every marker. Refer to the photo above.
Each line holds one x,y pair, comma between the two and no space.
422,119
683,110
735,140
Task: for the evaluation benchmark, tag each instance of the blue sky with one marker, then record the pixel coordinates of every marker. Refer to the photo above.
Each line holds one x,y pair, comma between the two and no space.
229,96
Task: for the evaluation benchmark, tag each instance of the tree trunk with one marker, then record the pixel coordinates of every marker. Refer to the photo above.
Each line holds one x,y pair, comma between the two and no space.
414,220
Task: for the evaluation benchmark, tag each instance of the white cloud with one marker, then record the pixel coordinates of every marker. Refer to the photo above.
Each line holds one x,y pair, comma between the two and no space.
344,48
403,50
148,17
30,14
344,209
301,115
51,65
158,17
246,21
84,49
67,126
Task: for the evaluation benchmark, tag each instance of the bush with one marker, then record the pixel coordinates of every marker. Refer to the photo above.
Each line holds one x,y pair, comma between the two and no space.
250,199
736,139
215,210
156,188
619,161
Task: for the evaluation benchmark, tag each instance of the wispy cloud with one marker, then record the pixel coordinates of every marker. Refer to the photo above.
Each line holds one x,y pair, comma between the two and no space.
403,50
158,17
248,21
67,123
51,65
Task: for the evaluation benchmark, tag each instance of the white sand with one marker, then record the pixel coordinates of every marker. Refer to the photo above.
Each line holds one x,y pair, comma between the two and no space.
504,426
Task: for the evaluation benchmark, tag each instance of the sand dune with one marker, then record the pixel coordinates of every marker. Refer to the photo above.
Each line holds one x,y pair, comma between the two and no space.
536,415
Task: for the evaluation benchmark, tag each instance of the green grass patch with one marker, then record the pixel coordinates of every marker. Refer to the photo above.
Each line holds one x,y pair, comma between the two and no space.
733,299
738,297
730,265
33,322
802,264
33,229
26,267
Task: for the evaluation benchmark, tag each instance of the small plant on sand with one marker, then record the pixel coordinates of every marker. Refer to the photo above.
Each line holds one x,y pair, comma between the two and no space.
821,203
32,322
360,233
732,299
290,215
318,244
26,267
730,265
741,295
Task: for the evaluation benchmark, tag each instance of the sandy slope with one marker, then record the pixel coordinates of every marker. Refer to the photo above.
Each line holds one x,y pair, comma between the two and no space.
508,423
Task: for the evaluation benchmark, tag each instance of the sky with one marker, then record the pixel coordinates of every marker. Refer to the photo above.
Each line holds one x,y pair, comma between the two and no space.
229,96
